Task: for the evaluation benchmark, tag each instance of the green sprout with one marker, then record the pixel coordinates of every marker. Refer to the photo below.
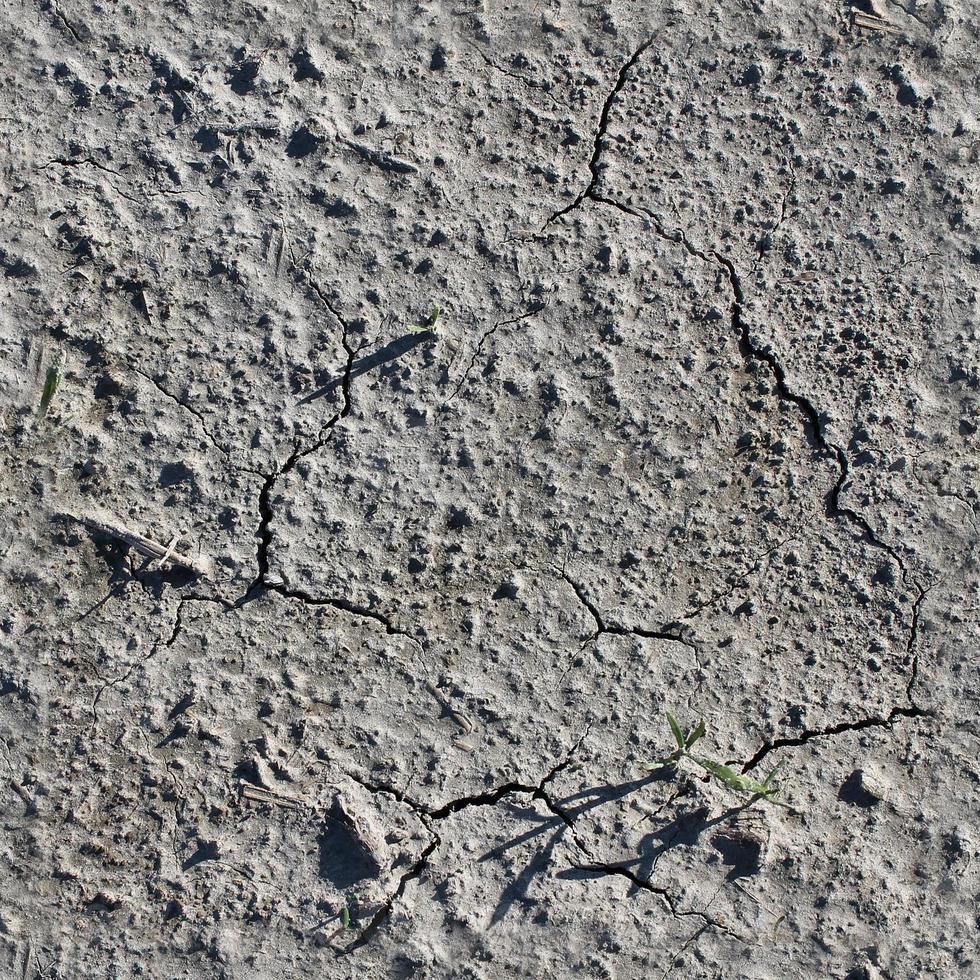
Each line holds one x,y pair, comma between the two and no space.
428,325
51,381
766,789
345,917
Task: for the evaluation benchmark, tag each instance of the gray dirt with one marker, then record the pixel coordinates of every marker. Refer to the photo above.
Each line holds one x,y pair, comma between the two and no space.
695,430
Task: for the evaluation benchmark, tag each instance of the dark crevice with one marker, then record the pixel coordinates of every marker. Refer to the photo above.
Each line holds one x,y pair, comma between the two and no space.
749,349
261,581
487,334
89,161
430,816
606,870
79,162
811,420
892,718
64,21
673,633
676,237
342,605
490,797
600,134
379,917
350,351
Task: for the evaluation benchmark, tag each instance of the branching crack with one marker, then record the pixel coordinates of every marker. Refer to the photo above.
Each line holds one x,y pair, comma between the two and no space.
673,632
751,351
605,870
264,531
600,134
892,718
430,816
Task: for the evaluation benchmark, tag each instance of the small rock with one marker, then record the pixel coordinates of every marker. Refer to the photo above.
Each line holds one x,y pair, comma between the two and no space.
861,789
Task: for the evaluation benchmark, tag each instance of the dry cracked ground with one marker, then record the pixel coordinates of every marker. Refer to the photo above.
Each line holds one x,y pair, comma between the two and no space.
695,429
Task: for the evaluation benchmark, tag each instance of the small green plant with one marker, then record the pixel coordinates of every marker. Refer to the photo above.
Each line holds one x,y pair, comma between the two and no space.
349,912
428,325
51,381
767,789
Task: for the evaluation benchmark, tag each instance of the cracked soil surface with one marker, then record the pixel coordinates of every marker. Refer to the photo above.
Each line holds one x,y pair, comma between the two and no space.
695,430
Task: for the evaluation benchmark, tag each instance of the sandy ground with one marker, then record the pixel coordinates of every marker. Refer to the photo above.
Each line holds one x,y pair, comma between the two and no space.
337,634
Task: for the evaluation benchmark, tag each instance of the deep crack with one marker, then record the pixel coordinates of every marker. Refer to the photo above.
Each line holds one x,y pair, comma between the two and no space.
430,816
266,515
673,632
894,716
600,134
749,349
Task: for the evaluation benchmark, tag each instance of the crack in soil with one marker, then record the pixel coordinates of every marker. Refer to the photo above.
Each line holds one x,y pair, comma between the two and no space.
487,334
606,870
158,644
912,645
543,87
264,531
673,632
187,406
430,816
600,134
751,351
813,425
892,718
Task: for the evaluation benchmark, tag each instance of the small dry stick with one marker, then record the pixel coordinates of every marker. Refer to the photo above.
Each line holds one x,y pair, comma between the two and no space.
107,528
259,795
457,716
874,23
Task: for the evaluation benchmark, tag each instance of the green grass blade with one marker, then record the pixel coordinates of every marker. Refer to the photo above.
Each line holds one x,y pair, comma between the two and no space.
666,763
768,780
676,729
729,777
428,325
51,381
694,734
